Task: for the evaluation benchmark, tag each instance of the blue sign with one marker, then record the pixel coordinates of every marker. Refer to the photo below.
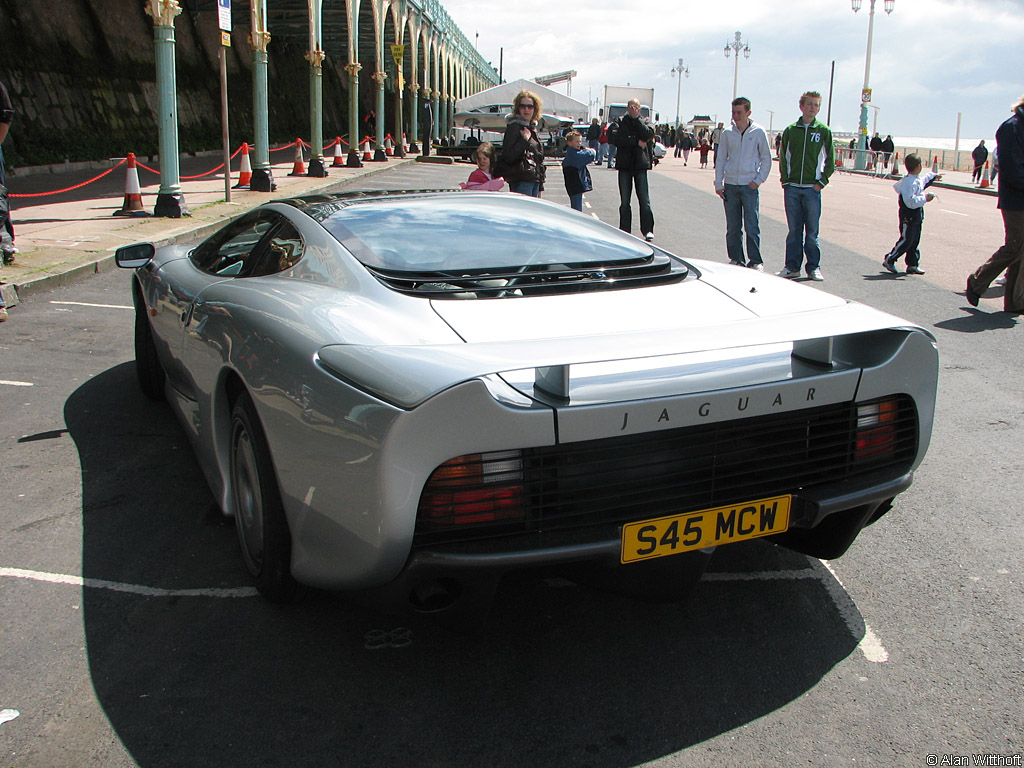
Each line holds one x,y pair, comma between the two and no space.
224,15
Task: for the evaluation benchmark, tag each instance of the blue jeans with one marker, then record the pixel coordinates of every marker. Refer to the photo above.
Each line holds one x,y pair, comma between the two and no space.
741,204
531,188
627,180
576,202
803,211
611,153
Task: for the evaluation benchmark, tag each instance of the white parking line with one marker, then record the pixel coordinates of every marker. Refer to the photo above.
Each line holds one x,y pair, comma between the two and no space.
17,383
880,197
86,304
955,213
116,586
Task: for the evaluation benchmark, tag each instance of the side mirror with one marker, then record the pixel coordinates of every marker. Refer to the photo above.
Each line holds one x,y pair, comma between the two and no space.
134,256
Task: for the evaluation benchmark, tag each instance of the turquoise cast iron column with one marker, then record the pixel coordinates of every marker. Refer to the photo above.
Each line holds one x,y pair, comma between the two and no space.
262,175
315,56
169,200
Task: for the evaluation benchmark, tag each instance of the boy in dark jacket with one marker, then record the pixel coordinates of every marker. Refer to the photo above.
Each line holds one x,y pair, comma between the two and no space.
574,169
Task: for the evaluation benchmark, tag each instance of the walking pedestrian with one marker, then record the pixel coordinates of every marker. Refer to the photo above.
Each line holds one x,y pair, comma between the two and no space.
979,155
1010,145
633,136
716,138
805,165
746,162
6,230
912,198
594,137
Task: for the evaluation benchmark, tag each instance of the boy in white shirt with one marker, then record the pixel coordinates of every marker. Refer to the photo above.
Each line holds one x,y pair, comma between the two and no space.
912,197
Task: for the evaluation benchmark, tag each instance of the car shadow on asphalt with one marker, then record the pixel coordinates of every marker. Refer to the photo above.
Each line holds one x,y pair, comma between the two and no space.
559,675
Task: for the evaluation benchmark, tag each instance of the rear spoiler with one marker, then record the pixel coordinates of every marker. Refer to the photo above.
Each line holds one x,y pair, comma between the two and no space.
406,376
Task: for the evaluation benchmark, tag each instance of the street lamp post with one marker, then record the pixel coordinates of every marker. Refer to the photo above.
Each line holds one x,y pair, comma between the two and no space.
865,96
874,123
683,71
738,45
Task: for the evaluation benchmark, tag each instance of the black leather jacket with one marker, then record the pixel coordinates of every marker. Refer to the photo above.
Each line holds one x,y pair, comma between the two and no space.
626,133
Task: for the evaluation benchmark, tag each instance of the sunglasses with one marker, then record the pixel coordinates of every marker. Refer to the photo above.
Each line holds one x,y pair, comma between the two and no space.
529,106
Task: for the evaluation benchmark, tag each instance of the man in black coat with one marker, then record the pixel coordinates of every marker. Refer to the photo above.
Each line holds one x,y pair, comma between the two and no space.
979,155
632,135
1010,145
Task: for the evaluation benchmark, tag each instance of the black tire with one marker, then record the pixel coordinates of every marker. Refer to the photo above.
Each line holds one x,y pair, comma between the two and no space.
256,503
148,369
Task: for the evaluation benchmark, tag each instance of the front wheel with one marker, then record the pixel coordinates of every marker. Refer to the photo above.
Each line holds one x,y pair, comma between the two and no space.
256,502
148,369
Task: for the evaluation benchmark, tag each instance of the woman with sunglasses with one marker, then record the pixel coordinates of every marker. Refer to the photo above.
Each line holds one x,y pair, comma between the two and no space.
521,162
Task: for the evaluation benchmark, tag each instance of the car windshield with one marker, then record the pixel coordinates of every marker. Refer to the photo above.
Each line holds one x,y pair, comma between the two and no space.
477,231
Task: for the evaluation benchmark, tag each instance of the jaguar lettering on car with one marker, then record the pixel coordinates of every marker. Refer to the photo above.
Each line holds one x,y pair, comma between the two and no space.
705,528
586,423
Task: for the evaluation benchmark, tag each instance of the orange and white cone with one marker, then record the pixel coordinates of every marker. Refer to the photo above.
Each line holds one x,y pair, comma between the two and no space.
895,163
405,144
245,169
339,158
935,164
366,149
132,205
986,180
389,146
299,168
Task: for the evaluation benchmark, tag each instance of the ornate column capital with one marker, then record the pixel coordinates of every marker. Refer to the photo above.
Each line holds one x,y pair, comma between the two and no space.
380,76
353,68
163,11
316,58
259,41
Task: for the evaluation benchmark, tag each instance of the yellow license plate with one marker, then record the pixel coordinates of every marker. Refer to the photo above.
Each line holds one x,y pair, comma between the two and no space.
706,528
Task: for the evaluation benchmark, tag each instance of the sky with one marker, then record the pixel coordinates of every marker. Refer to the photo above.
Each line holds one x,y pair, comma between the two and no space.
930,59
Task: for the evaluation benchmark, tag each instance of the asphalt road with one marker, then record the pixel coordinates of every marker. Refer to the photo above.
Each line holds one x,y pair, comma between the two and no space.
128,635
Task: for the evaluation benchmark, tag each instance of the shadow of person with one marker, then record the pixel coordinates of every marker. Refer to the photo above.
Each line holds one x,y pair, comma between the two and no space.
976,321
561,675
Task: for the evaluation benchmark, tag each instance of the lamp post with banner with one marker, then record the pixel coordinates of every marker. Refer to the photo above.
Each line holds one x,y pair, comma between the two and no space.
683,71
865,94
737,45
224,25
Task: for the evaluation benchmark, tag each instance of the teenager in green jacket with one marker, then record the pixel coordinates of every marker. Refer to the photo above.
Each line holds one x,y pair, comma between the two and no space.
806,162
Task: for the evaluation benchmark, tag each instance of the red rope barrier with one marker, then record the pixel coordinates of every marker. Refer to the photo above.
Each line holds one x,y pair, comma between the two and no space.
68,189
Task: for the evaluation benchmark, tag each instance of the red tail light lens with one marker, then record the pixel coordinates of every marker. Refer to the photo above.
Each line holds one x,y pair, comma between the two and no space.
477,488
876,428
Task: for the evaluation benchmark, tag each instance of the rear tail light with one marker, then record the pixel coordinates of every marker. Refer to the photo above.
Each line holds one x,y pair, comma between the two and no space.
477,488
877,432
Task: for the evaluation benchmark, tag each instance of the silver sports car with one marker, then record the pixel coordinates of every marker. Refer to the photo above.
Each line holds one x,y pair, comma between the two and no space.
408,394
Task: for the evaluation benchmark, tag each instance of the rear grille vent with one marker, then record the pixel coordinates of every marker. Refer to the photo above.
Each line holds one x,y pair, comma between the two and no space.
618,480
536,280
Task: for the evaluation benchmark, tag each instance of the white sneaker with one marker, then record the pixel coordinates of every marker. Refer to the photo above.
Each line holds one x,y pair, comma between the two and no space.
758,267
815,274
1001,280
789,274
648,236
735,263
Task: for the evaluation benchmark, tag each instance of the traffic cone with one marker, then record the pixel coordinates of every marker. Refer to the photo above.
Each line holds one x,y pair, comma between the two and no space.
389,146
132,205
366,149
245,170
935,164
405,143
986,181
339,159
299,168
839,159
895,163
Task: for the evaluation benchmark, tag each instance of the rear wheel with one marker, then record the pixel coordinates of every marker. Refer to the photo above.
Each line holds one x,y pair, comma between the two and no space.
256,502
147,364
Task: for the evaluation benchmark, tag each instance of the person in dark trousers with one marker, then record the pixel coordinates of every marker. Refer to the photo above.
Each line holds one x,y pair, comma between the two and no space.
521,160
912,198
1010,145
6,230
888,147
632,135
594,138
979,155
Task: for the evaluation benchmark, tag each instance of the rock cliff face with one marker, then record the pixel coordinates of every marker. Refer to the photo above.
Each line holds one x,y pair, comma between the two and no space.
82,78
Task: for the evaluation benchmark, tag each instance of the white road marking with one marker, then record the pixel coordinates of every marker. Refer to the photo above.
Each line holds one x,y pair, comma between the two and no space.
881,197
588,205
116,586
86,304
955,213
17,383
869,645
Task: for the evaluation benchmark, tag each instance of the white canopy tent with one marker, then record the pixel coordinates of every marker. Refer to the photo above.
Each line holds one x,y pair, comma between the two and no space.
554,103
